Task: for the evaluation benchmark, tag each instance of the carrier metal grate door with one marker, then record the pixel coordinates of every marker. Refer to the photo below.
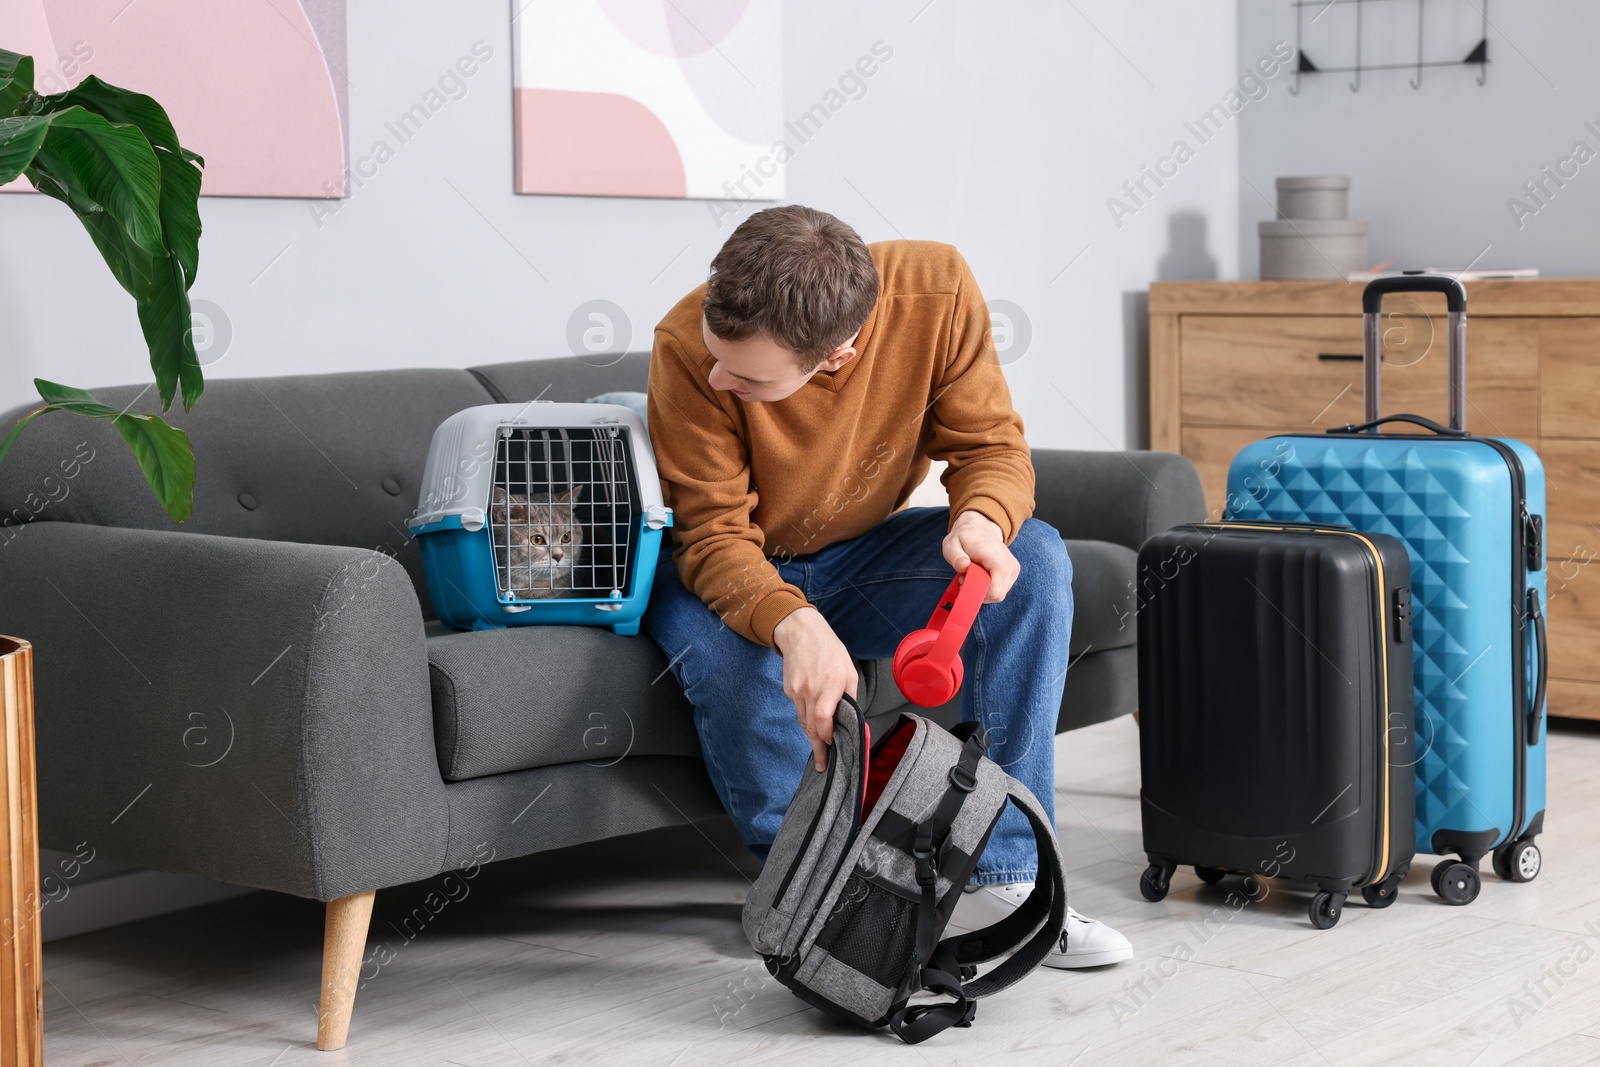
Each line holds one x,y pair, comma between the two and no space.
562,512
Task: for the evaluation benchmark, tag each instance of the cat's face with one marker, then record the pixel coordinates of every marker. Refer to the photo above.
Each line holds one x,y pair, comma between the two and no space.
538,539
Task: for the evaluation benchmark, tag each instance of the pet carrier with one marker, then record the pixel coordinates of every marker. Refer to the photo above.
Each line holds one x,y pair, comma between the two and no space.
540,513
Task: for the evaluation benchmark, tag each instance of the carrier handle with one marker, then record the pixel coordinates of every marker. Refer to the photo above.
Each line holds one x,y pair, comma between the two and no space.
1455,295
1416,420
1536,711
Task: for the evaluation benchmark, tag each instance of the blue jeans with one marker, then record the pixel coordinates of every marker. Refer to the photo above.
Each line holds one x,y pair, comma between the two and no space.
873,590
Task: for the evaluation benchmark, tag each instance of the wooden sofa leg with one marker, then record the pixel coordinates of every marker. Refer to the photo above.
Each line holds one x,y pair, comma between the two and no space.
344,938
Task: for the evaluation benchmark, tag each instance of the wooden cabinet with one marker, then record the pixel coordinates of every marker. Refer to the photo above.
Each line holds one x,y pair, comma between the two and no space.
1569,400
1232,362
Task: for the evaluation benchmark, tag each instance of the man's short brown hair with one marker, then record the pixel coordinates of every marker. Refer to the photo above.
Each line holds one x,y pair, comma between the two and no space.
793,274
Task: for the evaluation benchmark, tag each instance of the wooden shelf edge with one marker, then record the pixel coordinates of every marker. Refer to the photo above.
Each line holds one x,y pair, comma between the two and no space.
1534,298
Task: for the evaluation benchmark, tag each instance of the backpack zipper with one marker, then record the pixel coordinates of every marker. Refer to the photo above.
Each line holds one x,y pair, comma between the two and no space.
805,842
849,843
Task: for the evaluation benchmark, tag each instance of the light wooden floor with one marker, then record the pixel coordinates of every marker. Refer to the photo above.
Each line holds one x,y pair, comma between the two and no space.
631,953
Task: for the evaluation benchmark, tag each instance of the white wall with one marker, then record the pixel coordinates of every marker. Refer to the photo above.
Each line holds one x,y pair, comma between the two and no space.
1002,128
1433,169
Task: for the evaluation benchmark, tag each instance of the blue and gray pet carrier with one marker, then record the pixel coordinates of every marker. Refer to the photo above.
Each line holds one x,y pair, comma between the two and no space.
540,513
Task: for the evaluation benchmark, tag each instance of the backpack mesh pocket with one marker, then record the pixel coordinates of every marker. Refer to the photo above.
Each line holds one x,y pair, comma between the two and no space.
872,930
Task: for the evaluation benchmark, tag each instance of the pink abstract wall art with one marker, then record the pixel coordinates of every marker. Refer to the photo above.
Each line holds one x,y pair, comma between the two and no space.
657,98
258,88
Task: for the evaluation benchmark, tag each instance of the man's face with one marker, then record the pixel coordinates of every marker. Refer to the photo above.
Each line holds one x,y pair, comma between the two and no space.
759,369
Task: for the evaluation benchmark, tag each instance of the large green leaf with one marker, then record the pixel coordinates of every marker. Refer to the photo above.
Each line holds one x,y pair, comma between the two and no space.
167,459
156,283
180,209
121,106
169,331
20,138
112,167
180,177
163,451
114,158
16,80
156,280
132,266
71,398
163,307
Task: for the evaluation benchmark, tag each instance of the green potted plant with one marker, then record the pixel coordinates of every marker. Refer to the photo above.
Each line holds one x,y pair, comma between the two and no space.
113,157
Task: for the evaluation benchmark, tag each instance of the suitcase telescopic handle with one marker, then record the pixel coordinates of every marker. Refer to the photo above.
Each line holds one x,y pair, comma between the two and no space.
1455,296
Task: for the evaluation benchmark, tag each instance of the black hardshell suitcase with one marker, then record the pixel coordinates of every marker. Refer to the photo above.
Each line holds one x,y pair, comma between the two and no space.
1275,697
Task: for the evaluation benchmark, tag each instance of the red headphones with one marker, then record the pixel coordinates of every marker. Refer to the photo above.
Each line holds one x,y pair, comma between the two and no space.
927,665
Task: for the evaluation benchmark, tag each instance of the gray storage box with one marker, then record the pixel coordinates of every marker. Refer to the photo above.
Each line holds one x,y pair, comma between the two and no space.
1324,196
1312,248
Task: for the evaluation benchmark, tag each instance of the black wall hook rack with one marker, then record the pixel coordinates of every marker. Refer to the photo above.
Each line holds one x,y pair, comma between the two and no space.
1478,57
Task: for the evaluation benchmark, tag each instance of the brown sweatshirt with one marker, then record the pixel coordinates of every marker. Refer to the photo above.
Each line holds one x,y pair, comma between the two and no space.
749,481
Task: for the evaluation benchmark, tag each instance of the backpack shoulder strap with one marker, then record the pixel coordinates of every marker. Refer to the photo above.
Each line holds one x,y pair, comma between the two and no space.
1043,914
941,973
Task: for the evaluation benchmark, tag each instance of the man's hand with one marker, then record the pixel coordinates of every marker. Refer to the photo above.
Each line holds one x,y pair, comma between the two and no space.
974,538
817,671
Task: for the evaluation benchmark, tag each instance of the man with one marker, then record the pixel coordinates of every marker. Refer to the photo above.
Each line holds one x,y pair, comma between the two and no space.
796,400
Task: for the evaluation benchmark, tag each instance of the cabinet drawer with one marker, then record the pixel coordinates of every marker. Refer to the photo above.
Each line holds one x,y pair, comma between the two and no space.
1573,700
1572,485
1305,371
1569,371
1264,370
1211,449
1573,619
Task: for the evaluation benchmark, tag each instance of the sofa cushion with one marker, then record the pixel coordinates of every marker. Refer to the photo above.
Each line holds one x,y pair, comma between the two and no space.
533,696
1102,595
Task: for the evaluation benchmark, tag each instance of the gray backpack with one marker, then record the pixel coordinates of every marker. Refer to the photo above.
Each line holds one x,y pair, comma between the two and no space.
867,868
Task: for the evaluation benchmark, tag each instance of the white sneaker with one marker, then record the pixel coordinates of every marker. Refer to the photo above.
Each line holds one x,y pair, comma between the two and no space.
1084,942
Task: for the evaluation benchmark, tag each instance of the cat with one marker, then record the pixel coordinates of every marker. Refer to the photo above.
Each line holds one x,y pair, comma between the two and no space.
537,540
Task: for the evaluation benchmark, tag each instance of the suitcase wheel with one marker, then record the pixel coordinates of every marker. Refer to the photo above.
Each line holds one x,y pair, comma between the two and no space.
1325,909
1518,861
1209,875
1382,894
1456,882
1155,881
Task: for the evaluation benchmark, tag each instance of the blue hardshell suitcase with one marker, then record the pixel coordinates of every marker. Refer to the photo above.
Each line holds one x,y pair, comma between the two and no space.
1470,511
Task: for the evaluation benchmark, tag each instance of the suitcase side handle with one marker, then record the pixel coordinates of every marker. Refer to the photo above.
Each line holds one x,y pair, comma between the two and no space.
1455,295
1415,420
1536,710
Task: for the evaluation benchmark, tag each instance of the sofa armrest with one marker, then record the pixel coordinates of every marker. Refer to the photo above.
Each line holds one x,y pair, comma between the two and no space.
256,712
1121,497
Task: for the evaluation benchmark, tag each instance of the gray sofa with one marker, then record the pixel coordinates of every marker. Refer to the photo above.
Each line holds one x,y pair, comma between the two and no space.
260,696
